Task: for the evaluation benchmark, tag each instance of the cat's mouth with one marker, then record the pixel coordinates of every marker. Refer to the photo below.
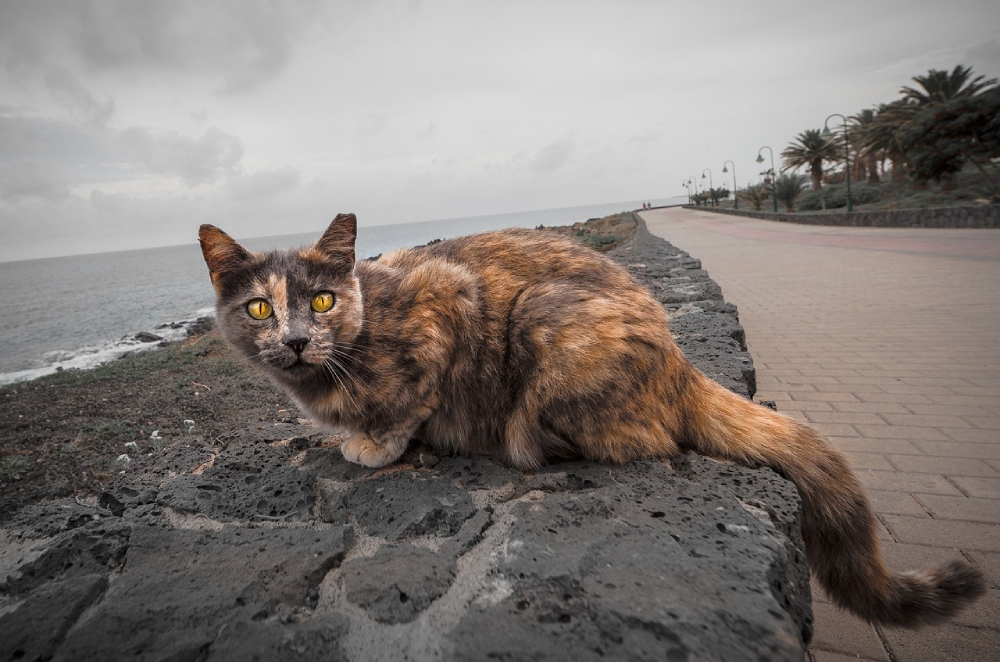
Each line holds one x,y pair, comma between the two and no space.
298,367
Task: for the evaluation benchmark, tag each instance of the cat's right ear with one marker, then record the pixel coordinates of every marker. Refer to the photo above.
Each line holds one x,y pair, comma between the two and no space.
337,243
222,253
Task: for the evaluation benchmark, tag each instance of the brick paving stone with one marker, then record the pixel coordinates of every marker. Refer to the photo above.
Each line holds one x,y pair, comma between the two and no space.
841,387
983,614
819,383
798,394
883,533
818,594
898,481
849,417
864,445
826,372
896,503
872,407
876,371
900,432
926,421
838,631
958,449
948,410
835,429
900,398
973,436
901,556
938,381
944,533
827,656
878,380
947,466
908,389
869,461
977,391
986,423
988,562
986,488
798,405
945,643
961,508
964,400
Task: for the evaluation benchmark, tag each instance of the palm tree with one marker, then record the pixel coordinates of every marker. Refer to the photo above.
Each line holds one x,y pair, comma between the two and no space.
881,136
810,148
787,189
939,85
756,194
861,126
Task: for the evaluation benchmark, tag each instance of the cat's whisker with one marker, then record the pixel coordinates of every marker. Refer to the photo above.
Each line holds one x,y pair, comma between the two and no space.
345,372
332,367
350,355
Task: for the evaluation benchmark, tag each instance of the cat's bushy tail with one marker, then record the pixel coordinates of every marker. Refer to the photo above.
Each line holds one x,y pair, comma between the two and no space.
839,525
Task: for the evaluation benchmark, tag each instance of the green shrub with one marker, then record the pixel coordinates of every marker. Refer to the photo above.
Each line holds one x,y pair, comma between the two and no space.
835,196
788,188
756,194
14,467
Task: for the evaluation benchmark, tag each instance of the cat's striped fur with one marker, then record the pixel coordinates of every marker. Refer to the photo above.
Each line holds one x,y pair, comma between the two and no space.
528,347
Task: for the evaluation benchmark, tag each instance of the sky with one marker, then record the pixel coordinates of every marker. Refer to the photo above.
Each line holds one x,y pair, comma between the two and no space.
127,124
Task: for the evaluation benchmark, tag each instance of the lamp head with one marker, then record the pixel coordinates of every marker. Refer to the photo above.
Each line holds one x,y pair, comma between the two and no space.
760,159
725,169
826,129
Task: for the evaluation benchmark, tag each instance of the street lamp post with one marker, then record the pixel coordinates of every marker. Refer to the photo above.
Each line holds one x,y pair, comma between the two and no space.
736,198
774,176
687,185
847,156
694,186
711,186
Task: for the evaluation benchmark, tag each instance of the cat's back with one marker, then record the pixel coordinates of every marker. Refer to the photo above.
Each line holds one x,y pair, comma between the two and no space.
515,258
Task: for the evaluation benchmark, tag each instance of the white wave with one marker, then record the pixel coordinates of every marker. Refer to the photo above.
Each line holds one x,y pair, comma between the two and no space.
93,355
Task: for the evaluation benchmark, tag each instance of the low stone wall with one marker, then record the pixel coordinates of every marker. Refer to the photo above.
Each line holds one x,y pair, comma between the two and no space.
267,544
980,216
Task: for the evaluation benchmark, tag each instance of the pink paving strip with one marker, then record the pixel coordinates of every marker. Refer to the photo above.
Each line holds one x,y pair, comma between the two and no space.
986,243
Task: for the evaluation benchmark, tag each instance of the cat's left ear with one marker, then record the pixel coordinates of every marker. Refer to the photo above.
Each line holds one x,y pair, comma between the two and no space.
337,243
222,253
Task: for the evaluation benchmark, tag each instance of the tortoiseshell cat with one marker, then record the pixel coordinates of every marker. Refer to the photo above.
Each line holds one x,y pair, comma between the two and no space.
528,347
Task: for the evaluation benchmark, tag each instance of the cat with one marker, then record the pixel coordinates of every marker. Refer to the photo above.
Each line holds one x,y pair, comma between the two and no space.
530,347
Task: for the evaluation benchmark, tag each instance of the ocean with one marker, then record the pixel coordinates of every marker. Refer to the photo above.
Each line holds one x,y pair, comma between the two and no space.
83,310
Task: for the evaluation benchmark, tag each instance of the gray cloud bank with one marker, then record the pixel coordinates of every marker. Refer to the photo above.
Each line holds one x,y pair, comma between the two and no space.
126,124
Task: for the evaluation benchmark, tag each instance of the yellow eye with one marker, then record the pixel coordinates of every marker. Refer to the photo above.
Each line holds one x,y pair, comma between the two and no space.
322,302
259,309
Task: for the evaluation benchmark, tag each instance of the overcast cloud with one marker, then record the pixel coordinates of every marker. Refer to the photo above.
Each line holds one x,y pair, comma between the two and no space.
127,124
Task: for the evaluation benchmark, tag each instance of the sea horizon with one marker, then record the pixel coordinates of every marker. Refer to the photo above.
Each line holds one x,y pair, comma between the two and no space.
675,200
81,310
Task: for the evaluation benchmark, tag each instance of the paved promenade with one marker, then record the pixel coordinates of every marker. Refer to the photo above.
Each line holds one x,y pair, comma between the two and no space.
888,342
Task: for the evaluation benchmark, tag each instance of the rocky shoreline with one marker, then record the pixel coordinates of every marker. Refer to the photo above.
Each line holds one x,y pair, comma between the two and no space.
260,540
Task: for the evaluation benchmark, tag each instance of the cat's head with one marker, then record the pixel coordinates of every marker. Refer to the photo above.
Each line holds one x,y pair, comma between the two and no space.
294,313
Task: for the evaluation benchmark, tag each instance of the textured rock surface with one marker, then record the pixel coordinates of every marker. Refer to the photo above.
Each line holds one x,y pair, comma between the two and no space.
705,327
267,545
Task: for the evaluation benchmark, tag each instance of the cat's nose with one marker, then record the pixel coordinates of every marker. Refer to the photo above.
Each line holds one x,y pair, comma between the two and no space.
297,344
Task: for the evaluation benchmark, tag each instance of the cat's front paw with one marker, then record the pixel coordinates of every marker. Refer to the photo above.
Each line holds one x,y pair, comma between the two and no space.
361,449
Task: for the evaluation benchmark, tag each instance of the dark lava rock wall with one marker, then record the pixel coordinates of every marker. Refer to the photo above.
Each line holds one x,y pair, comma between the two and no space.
267,545
979,216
